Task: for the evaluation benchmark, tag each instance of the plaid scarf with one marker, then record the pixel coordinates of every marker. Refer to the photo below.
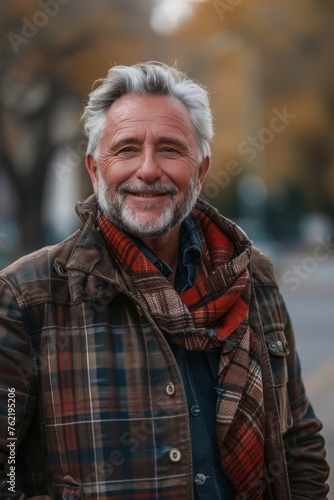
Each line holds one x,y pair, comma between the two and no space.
213,312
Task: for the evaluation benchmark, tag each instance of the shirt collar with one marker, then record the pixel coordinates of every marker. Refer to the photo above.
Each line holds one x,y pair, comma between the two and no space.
190,249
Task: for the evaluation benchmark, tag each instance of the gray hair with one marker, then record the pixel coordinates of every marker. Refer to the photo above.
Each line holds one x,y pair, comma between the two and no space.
143,79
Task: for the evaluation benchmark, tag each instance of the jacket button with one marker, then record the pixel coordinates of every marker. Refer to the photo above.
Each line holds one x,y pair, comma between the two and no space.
200,479
195,411
174,455
170,389
274,347
101,287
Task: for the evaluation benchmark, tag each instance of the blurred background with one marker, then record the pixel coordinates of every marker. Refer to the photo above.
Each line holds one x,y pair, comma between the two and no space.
269,67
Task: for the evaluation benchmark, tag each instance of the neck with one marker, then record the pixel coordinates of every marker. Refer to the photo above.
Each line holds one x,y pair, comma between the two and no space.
166,247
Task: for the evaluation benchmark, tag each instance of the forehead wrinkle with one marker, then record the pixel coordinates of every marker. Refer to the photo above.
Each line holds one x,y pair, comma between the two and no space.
124,133
129,103
164,128
130,116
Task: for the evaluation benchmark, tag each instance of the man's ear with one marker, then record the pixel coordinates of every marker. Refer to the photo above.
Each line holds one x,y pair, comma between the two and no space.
203,170
92,170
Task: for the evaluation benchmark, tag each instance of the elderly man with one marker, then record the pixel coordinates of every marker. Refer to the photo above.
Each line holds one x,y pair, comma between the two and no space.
150,355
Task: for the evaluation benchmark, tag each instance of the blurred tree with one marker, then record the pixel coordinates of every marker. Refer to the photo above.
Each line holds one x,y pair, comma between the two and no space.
254,56
54,50
257,57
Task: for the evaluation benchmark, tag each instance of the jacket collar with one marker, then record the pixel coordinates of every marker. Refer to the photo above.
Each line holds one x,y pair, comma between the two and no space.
90,256
88,209
90,272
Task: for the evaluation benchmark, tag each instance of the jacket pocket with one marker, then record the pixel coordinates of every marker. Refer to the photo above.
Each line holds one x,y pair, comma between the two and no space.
278,351
73,488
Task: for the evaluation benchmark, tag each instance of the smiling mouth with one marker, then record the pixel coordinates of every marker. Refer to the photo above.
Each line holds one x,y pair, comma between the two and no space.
146,191
148,195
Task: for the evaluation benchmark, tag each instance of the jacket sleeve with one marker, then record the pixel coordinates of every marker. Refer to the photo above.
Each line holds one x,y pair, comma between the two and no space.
307,469
304,445
17,390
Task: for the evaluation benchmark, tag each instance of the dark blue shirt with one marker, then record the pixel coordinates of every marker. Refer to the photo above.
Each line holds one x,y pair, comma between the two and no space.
199,371
189,254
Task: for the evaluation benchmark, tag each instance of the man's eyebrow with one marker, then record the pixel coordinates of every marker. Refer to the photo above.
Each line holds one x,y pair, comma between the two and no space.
162,140
125,142
172,140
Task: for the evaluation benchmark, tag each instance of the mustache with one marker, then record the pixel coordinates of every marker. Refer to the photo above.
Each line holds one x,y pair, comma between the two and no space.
143,187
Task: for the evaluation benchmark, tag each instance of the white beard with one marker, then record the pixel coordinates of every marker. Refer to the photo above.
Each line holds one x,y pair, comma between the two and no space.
114,206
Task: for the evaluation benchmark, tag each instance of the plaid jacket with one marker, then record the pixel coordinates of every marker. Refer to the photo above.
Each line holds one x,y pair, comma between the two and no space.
100,407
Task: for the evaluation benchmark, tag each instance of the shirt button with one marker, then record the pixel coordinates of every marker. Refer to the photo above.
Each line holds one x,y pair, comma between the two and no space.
195,411
200,479
174,455
170,389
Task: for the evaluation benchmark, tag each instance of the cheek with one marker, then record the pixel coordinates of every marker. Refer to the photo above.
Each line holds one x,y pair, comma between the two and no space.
116,171
182,172
188,178
111,174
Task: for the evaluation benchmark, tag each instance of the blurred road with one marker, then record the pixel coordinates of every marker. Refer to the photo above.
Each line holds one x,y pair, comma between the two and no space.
307,284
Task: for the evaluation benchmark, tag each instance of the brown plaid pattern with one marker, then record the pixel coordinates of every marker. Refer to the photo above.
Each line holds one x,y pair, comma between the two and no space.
90,370
213,310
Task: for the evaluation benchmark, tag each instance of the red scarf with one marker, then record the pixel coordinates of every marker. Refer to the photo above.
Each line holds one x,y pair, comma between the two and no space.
213,312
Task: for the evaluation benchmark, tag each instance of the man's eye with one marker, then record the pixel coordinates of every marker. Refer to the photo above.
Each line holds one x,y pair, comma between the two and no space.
168,149
127,149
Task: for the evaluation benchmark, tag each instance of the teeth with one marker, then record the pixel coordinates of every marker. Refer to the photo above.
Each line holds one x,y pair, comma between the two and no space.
146,195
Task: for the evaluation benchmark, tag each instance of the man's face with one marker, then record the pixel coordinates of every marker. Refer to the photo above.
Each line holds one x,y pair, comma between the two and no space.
147,176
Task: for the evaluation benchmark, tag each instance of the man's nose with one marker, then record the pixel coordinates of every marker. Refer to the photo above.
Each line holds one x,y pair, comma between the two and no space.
149,169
